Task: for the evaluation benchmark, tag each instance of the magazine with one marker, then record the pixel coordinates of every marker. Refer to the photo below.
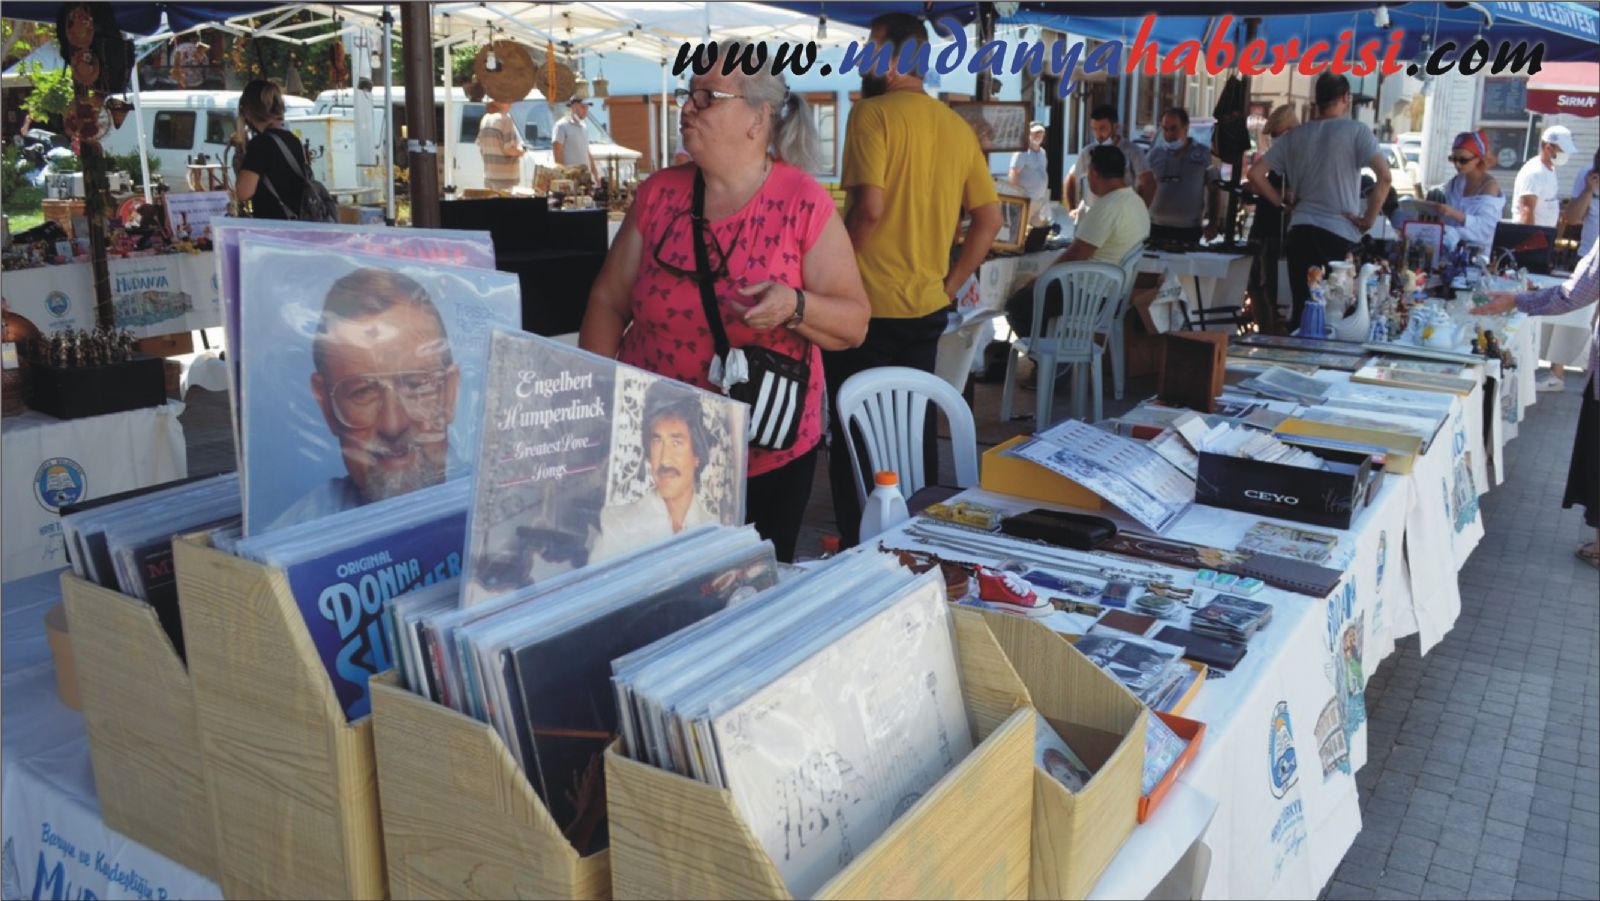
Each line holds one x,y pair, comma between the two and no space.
450,248
584,458
1289,541
1126,473
363,378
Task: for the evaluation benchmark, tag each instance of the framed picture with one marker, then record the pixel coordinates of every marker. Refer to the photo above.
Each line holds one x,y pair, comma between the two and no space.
1429,236
1013,224
1003,124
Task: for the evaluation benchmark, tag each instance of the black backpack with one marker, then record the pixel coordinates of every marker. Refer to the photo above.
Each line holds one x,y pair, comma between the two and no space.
316,204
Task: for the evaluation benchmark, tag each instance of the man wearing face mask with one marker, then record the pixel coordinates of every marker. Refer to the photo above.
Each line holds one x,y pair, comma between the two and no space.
1536,186
1103,129
1185,204
1029,171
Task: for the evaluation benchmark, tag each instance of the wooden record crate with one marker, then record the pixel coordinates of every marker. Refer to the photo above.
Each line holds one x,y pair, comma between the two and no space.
1076,834
138,707
460,819
293,785
968,837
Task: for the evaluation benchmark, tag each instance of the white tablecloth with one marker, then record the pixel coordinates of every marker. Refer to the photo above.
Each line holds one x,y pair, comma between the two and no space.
56,845
155,295
1214,279
50,462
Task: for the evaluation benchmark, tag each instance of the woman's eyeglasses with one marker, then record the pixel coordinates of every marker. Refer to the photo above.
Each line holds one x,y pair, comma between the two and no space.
716,255
702,97
1462,160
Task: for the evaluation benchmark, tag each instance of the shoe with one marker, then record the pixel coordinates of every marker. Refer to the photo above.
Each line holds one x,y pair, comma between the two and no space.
1550,382
1008,593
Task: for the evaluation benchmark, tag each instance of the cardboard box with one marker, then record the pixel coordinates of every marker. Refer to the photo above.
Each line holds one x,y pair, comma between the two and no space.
968,837
138,707
1076,834
1192,368
1004,474
293,785
1191,731
1315,496
460,819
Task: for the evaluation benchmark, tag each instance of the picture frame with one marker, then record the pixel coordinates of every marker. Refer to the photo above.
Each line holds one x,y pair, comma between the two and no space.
1429,235
1004,121
1013,224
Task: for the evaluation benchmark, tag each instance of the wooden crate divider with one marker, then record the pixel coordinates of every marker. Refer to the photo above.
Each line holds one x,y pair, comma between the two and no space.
1076,834
138,706
460,819
969,837
293,786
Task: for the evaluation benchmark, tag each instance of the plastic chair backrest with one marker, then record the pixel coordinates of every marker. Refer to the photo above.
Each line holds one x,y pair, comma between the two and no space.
888,406
1090,292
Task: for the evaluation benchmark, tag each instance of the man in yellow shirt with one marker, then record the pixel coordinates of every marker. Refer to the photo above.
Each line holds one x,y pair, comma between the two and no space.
1108,230
911,164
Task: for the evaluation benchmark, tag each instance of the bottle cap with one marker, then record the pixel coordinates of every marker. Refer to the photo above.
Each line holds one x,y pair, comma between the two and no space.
886,477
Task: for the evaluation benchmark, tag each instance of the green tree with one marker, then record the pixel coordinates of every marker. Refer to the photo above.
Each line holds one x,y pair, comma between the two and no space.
52,92
19,38
267,58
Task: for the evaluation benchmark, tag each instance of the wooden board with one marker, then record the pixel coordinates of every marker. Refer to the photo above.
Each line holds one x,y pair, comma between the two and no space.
968,837
293,786
460,819
138,707
1076,834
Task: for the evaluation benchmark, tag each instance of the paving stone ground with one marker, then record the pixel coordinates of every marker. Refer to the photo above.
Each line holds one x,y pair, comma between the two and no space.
1483,770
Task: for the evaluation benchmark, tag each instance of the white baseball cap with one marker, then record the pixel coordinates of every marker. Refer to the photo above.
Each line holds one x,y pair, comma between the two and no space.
1561,136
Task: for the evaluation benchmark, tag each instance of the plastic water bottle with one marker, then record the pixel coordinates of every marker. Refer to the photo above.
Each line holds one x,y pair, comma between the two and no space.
885,507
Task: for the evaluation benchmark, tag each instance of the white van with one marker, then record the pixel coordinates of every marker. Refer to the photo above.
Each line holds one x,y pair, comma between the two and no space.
534,118
182,124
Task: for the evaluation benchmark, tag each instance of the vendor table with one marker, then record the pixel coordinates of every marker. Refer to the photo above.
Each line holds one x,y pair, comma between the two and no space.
51,462
1219,279
56,845
154,295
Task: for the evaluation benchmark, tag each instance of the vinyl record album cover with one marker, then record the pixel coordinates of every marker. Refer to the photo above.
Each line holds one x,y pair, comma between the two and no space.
583,458
364,375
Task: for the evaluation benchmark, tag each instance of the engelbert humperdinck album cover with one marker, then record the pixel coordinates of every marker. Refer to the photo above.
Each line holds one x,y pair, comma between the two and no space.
583,458
364,375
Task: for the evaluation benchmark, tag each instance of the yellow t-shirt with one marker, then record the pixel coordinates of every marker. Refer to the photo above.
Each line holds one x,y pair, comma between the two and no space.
927,160
1113,225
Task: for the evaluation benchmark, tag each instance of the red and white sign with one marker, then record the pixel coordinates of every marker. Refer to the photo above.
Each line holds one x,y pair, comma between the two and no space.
1565,88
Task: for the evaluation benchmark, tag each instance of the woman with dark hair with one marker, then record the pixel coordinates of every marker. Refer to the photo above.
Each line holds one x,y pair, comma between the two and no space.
774,252
272,175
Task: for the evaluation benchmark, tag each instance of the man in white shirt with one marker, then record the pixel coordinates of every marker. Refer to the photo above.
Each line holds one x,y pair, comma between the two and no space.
1536,186
572,140
1029,171
677,447
1103,127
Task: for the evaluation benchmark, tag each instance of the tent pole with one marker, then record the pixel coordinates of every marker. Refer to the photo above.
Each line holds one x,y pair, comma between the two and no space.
144,147
661,147
452,130
388,116
422,143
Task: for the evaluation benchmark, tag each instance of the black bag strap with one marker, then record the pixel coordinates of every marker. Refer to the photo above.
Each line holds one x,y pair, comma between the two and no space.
702,266
298,165
267,183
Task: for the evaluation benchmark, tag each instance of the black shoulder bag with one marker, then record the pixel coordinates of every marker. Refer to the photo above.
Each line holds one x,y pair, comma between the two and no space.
772,384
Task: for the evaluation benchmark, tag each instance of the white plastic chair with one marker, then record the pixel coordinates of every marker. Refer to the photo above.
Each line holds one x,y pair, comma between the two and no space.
888,405
1090,294
1119,316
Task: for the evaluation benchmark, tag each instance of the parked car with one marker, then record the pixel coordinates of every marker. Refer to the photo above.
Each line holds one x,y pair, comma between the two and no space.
533,115
1403,174
179,125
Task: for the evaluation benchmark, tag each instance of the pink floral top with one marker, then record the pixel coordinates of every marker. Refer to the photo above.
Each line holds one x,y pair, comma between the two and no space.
765,240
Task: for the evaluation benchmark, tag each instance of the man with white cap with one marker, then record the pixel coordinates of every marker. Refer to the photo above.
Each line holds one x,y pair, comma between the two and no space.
572,141
1030,172
1534,197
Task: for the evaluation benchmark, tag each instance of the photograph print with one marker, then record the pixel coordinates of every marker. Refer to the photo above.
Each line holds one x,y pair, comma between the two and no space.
364,378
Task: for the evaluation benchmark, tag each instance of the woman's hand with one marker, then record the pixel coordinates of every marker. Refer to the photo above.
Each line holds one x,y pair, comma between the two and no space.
774,305
1499,302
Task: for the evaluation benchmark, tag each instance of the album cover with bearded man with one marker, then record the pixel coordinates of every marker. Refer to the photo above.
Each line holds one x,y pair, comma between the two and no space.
365,376
584,458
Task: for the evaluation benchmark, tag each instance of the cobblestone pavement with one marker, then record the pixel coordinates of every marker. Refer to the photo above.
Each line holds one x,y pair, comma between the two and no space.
1483,770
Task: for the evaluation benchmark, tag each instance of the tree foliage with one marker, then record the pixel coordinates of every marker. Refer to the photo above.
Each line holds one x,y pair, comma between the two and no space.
52,92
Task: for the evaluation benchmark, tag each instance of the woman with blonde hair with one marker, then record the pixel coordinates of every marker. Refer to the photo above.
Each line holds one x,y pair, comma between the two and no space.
273,174
747,223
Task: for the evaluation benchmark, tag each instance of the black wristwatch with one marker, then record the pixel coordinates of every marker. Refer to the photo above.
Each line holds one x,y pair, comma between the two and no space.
799,309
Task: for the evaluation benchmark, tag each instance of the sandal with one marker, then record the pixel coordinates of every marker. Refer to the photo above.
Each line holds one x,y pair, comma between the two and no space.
1590,554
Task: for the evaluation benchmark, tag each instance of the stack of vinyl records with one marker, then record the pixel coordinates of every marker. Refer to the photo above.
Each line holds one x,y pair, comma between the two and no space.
1231,617
342,568
536,664
1154,671
126,544
842,681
